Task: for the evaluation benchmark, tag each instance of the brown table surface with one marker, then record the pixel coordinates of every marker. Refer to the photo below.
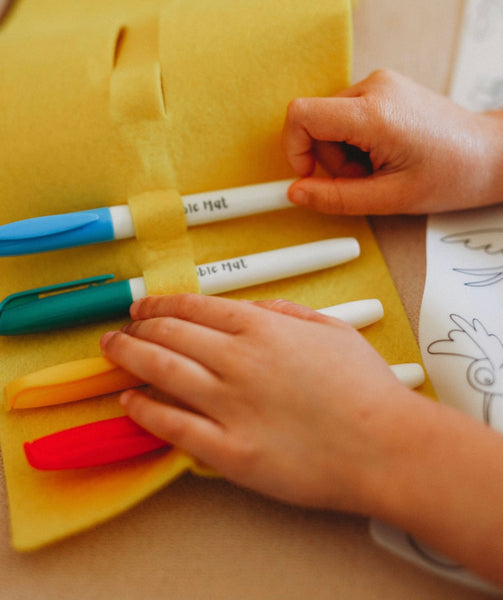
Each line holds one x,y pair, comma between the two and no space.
206,539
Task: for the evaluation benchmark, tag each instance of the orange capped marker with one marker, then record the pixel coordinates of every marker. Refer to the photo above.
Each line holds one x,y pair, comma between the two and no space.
68,382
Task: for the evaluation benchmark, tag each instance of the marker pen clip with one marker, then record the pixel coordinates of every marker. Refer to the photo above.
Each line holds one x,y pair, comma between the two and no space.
90,300
65,305
54,232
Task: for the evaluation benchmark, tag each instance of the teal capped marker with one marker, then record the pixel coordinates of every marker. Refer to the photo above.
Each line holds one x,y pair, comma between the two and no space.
98,298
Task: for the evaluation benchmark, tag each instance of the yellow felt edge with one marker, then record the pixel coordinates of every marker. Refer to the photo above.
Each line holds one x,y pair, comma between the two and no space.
128,484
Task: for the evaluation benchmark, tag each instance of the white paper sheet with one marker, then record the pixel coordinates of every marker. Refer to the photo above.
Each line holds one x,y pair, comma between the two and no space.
477,82
461,325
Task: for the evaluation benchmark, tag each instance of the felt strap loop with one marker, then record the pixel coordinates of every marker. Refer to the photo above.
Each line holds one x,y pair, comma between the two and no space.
165,253
135,85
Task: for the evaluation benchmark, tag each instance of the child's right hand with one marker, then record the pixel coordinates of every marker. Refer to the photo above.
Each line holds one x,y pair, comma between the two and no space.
392,146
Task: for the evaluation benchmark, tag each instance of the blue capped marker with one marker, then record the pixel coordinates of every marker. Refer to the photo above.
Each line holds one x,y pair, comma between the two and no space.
54,232
42,234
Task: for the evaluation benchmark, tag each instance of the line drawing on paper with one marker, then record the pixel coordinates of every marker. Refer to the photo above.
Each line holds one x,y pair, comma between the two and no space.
485,351
489,241
488,276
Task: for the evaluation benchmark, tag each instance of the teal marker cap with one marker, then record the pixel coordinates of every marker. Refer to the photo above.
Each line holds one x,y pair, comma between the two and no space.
65,305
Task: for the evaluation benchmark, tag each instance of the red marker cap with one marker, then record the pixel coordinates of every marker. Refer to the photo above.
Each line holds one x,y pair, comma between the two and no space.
91,445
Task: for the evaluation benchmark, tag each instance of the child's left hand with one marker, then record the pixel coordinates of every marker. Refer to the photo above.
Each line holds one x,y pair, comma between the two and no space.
272,395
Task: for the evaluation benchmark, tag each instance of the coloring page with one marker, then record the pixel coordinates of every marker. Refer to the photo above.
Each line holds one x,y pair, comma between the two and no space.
461,322
461,327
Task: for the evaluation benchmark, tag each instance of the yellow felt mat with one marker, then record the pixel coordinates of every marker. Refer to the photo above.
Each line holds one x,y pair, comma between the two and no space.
127,101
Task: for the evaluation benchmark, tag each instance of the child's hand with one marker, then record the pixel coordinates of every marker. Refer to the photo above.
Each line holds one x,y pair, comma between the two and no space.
393,147
272,395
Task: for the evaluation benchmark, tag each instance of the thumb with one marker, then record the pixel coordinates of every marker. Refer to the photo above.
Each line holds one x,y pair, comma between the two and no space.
376,194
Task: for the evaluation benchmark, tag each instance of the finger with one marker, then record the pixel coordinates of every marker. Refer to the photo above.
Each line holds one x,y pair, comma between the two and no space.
357,314
198,435
341,160
197,342
210,311
172,373
294,310
377,194
339,119
330,155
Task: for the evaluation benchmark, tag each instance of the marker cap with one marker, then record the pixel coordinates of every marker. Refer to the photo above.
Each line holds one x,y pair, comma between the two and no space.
92,444
64,305
67,382
54,232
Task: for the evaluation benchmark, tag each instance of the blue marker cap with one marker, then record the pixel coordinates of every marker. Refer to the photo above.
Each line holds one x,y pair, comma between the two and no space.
54,232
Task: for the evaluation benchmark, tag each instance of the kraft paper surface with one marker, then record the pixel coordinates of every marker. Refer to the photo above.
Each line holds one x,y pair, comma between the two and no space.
139,102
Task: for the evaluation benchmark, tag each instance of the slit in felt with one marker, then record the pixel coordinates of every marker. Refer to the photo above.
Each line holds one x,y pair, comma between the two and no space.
136,82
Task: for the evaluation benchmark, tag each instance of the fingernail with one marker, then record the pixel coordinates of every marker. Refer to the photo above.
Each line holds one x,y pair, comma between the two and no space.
105,338
298,196
135,307
125,397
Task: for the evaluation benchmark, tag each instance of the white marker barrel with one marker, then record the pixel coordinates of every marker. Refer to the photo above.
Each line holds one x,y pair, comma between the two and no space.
219,205
254,269
359,313
410,374
122,222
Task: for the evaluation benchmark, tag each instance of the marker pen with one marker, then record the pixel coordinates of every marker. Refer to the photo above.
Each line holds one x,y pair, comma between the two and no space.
54,232
113,440
97,376
93,299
